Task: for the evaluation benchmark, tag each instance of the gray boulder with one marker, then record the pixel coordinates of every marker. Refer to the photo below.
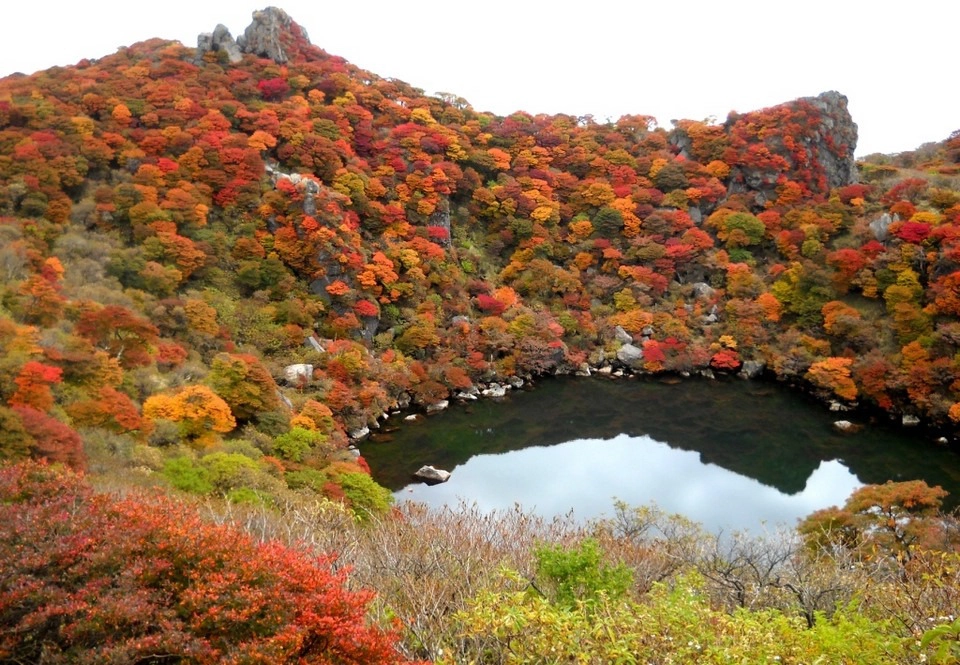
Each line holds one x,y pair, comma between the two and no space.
219,40
880,226
630,355
437,407
296,374
751,369
431,475
359,433
703,290
622,335
845,426
494,390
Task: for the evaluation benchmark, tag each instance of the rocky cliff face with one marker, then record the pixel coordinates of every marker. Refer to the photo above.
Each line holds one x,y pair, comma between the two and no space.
797,149
808,142
273,34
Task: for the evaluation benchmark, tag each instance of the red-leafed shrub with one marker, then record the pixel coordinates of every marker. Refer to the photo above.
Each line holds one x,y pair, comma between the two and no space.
726,359
490,305
855,191
273,89
366,308
90,578
912,232
438,233
52,440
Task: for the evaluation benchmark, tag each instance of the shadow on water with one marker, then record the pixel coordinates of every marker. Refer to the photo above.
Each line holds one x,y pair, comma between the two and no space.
757,431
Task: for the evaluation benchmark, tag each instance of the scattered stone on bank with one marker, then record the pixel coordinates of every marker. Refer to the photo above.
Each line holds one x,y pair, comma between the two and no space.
359,433
708,374
606,370
515,382
469,394
583,369
411,417
494,390
630,355
845,426
751,369
431,475
437,407
909,420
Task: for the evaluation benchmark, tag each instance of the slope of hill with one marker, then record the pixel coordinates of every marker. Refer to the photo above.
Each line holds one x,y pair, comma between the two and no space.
218,262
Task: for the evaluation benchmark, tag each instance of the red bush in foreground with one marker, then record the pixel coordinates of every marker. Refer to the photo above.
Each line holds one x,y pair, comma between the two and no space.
90,578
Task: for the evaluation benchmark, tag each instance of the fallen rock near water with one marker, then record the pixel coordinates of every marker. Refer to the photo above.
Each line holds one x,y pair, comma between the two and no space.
846,426
432,475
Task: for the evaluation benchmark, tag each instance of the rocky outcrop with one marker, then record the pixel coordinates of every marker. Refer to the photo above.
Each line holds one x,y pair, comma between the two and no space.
836,138
220,40
809,142
273,34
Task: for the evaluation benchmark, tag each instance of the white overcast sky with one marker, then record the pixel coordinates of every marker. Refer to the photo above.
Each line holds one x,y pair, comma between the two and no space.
897,61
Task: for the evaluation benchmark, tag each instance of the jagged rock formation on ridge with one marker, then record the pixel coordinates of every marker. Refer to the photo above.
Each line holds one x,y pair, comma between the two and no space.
273,34
813,146
806,144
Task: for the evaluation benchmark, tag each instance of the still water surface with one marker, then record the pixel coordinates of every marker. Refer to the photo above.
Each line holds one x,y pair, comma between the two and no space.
728,454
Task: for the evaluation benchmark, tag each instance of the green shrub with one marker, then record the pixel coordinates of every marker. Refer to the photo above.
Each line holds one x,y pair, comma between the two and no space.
295,444
306,478
571,575
366,496
185,475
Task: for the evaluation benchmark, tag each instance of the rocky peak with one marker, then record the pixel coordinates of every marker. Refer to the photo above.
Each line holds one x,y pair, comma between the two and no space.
273,34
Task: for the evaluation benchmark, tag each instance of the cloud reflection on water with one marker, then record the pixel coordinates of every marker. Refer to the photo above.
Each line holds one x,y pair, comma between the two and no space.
587,475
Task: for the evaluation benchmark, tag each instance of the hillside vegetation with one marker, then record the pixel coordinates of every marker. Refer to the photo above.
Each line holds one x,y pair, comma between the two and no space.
220,265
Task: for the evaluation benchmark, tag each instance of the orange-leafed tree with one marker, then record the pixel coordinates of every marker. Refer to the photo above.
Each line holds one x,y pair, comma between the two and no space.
893,519
110,409
200,413
33,385
833,374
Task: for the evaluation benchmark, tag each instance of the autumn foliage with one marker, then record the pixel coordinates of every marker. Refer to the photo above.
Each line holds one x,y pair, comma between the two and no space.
223,254
89,578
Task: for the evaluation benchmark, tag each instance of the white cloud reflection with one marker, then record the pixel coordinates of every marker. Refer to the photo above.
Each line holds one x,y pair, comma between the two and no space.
587,475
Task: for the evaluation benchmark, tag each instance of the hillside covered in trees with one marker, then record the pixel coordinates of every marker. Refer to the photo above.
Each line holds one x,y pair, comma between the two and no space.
219,265
246,256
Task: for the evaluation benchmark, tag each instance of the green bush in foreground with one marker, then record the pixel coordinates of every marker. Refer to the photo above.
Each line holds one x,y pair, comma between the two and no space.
673,624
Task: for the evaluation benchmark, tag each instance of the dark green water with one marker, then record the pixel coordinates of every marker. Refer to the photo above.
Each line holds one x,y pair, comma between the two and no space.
729,454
